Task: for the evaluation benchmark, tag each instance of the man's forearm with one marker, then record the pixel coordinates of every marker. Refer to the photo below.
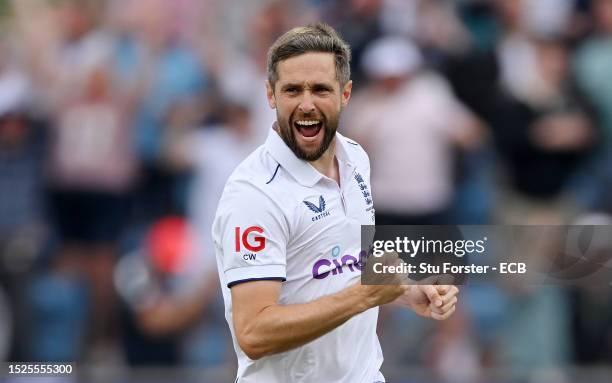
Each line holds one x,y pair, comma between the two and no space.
278,328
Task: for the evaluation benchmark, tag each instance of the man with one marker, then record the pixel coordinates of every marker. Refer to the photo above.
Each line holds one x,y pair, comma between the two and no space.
287,232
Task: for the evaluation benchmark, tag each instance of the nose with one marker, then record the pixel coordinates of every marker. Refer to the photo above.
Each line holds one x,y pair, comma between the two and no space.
307,103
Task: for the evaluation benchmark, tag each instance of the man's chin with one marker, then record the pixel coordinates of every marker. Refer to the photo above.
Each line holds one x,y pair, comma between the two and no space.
309,148
310,154
310,145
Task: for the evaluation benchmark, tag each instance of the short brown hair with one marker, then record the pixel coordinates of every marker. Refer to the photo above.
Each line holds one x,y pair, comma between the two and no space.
318,37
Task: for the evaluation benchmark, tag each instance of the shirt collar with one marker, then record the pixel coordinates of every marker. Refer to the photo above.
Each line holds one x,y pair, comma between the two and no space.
342,152
301,170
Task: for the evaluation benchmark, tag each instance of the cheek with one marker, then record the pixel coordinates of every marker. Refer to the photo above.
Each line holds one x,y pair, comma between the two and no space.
284,112
330,107
286,107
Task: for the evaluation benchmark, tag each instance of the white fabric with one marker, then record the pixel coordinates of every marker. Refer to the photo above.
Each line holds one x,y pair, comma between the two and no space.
519,68
314,249
14,91
547,17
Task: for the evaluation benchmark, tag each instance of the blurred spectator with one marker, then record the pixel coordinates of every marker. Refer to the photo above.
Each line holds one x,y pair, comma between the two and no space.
22,217
179,296
547,17
408,116
433,24
212,152
167,289
91,166
168,73
592,317
359,23
542,126
548,134
592,61
175,72
21,152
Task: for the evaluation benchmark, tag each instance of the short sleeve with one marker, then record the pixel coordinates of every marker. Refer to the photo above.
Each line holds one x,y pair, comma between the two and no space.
251,233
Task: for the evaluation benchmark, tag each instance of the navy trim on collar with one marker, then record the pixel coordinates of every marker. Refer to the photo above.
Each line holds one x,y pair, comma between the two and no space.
301,170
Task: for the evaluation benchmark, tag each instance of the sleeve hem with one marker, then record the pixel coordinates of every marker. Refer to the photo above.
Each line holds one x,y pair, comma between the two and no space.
255,272
234,283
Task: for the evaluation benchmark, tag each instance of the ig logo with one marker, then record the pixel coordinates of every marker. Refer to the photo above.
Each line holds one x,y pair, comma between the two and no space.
258,243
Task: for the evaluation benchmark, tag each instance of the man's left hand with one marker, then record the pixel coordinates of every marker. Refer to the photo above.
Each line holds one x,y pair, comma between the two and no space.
431,301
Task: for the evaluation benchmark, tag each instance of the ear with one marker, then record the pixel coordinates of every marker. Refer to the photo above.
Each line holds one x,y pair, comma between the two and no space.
270,94
346,93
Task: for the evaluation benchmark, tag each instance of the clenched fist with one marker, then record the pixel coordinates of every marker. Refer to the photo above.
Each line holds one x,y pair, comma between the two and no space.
430,301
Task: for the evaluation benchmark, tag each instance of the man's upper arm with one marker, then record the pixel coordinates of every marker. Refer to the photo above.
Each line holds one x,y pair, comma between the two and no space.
251,298
252,232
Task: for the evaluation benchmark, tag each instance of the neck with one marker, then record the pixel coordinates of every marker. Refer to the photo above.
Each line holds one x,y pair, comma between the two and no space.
327,164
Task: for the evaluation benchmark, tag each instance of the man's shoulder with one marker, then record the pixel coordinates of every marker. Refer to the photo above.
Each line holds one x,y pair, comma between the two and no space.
354,150
249,194
251,180
256,169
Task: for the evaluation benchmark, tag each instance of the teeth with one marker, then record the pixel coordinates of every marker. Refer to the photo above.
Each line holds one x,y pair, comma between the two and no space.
307,122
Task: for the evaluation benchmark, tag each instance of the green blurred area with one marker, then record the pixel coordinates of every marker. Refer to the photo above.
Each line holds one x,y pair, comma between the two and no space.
4,10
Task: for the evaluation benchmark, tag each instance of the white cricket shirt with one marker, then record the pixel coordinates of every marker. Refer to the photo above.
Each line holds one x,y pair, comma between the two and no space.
280,219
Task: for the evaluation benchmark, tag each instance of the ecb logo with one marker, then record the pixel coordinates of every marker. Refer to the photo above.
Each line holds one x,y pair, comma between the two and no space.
256,243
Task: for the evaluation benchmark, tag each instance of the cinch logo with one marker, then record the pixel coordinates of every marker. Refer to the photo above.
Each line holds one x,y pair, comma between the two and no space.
320,210
324,267
259,242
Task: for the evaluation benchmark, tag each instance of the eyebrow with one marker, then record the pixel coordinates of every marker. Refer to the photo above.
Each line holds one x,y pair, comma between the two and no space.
318,85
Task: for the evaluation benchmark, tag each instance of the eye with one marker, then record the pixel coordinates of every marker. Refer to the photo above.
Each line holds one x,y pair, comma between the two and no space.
291,90
322,90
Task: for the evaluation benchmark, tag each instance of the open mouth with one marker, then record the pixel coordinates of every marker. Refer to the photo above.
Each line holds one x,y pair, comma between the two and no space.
308,128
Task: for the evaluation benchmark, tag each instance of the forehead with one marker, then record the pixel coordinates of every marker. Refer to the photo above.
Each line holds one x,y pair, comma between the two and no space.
307,67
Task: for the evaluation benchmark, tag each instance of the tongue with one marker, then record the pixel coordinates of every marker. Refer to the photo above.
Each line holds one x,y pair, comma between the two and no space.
310,131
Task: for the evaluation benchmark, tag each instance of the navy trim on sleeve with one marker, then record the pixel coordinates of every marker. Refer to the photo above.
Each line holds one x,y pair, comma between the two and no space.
273,175
231,284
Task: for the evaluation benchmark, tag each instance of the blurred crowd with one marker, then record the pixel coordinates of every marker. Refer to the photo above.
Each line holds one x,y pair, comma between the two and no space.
120,121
